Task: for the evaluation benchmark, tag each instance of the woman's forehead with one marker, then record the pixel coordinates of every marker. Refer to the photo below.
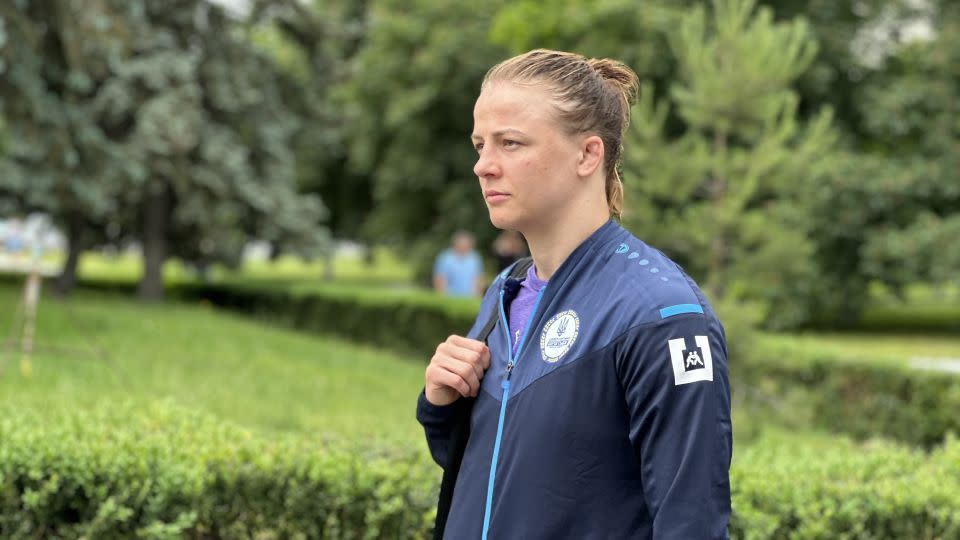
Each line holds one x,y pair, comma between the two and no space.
507,103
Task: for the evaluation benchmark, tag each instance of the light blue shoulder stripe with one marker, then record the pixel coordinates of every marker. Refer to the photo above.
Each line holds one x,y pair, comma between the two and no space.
680,309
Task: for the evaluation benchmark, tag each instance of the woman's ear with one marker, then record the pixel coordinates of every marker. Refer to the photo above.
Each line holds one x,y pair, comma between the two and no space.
591,156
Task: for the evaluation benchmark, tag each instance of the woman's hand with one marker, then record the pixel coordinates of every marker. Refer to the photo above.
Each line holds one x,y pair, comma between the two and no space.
456,370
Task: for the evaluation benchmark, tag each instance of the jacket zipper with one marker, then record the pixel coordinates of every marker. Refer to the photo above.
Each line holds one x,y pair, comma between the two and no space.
505,384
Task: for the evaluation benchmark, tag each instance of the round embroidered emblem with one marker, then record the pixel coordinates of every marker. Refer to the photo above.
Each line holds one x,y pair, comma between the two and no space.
558,335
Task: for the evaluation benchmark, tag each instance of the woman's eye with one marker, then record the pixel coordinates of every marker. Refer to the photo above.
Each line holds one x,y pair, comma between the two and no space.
510,144
478,147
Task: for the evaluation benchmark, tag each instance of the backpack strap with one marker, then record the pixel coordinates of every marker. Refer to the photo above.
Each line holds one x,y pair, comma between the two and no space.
517,270
461,422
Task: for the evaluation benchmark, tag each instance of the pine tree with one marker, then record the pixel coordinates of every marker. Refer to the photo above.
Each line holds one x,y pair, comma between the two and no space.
718,196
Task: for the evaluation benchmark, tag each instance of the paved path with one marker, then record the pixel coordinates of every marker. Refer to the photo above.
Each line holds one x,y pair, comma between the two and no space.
947,365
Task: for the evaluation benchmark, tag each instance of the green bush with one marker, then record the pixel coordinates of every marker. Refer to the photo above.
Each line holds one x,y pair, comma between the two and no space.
864,397
165,472
930,319
168,473
412,323
815,488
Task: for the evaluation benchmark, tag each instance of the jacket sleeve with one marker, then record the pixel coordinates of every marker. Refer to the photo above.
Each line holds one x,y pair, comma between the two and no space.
438,421
674,377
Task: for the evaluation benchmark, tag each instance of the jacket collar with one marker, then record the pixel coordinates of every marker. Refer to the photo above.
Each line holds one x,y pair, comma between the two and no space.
600,237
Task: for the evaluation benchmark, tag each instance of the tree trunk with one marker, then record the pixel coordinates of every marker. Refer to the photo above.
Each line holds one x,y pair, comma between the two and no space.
718,248
67,280
328,266
154,239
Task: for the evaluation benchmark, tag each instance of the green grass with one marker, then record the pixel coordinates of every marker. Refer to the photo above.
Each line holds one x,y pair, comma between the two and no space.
896,347
387,269
263,378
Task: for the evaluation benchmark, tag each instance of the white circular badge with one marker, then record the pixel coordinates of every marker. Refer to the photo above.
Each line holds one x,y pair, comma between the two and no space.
559,334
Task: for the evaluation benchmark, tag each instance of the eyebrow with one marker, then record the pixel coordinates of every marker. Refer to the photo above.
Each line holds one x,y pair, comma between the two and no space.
499,133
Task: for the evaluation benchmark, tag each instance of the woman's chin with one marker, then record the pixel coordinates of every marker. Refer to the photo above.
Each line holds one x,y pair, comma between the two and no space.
502,220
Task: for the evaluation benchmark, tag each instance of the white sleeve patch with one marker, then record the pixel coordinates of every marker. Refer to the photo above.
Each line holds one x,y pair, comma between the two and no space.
691,365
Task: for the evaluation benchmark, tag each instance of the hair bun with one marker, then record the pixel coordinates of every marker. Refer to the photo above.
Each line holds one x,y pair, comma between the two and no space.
619,76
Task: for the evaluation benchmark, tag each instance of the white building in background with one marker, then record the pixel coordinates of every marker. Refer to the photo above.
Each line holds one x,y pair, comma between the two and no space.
26,234
892,28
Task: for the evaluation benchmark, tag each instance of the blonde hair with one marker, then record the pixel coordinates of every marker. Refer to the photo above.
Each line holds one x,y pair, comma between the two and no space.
592,95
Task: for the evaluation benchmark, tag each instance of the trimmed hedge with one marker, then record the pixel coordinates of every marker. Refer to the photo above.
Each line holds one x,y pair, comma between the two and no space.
864,397
818,487
411,323
935,319
164,472
169,473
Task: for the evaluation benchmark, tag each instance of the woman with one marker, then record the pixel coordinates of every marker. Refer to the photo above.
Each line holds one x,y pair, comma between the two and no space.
601,396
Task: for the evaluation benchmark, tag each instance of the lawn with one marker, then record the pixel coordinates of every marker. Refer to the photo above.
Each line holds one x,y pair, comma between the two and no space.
96,349
388,268
902,347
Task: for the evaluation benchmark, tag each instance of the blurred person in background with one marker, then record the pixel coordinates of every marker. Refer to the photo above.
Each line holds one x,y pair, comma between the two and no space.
590,399
13,241
508,248
458,270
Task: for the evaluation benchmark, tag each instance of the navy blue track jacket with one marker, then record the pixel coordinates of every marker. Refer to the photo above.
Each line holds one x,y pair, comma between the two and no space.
613,420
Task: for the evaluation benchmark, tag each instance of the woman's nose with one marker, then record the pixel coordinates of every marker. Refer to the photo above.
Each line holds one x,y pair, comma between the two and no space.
485,165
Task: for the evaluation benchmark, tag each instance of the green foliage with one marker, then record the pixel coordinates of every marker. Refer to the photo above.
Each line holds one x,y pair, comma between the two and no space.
888,213
823,488
413,322
166,472
634,33
313,46
137,121
867,394
408,123
844,30
877,221
908,318
721,197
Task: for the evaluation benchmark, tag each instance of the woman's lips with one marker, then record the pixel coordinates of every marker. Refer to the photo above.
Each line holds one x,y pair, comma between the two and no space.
493,197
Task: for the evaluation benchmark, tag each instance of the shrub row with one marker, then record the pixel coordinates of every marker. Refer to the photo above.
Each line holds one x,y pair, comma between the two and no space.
164,472
935,319
169,473
411,323
819,487
862,397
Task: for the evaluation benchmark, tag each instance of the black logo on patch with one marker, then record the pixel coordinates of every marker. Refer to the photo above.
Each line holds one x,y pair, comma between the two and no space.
694,360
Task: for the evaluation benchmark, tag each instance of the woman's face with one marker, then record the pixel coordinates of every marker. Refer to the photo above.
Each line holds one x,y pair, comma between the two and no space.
527,163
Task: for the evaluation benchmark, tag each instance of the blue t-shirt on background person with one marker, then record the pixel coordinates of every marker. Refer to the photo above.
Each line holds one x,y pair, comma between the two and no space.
460,272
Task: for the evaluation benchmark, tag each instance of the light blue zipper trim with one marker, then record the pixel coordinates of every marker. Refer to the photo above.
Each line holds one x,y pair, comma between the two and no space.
503,399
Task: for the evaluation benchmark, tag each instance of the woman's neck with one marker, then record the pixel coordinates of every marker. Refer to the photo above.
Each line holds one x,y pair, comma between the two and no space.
551,244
